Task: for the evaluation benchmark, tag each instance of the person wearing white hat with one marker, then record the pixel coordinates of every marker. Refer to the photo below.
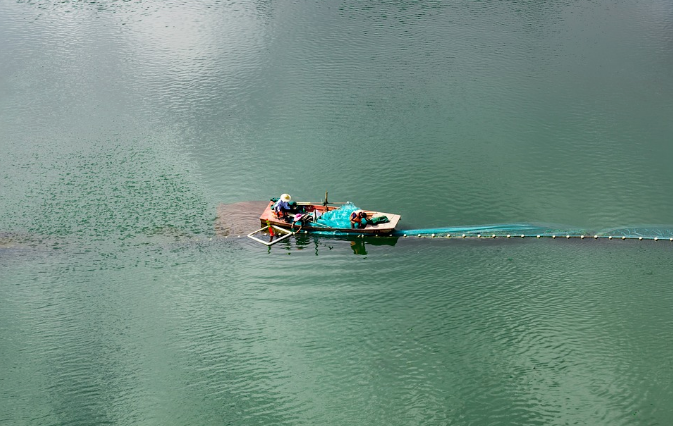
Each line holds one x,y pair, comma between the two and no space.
282,206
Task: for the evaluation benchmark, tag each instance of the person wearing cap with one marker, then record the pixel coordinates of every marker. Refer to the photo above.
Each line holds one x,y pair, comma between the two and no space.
282,206
359,218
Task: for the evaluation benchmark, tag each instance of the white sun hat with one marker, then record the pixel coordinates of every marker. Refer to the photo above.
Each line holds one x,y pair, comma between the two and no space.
286,198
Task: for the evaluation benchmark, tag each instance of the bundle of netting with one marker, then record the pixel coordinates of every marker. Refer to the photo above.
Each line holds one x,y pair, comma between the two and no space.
337,218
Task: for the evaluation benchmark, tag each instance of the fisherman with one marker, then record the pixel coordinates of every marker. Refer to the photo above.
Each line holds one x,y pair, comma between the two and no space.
282,206
359,218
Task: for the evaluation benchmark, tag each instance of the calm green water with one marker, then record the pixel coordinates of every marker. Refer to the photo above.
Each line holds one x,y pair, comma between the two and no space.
124,125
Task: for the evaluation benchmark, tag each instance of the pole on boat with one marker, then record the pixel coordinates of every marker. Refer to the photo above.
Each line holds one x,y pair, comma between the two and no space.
325,202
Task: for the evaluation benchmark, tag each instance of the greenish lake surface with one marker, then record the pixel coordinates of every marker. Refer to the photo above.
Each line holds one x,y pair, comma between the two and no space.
127,128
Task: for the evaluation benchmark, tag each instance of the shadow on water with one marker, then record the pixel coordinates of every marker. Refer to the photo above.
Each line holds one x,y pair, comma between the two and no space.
238,218
28,241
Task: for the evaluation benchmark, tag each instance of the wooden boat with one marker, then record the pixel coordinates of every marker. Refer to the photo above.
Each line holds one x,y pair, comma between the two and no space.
316,210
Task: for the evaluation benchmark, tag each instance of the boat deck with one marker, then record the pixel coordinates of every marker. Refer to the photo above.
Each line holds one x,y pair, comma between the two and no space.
379,229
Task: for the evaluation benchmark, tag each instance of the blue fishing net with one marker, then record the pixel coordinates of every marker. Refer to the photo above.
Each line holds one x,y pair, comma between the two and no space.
514,230
337,218
543,230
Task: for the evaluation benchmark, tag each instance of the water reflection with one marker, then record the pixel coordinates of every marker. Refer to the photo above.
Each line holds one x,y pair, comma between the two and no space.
359,247
358,244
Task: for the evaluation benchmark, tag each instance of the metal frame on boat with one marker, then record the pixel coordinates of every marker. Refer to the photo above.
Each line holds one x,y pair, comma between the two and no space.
273,239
